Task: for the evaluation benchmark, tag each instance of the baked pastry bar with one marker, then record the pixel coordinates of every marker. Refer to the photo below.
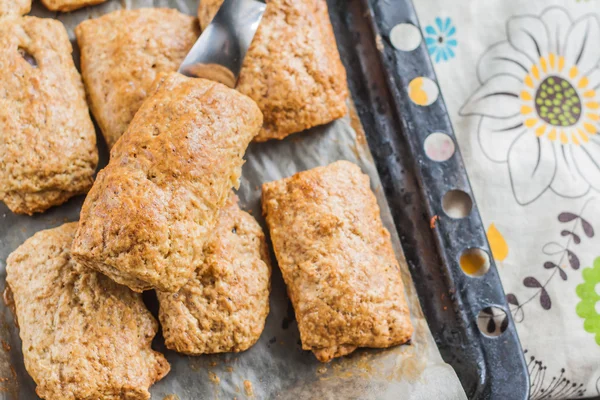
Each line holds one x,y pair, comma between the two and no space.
47,140
292,69
14,7
84,336
224,306
337,261
121,54
69,5
150,211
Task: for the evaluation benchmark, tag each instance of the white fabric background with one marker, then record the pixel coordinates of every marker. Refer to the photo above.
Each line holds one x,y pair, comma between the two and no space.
555,338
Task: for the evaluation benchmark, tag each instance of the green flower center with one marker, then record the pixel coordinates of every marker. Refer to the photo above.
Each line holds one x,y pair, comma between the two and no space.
557,102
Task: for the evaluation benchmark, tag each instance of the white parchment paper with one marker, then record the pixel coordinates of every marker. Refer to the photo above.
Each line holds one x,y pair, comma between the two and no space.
276,367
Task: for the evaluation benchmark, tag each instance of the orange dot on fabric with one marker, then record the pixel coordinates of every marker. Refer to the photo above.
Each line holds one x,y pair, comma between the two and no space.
497,243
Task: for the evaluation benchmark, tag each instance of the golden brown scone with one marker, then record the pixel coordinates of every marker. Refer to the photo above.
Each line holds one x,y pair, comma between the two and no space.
121,54
224,306
69,5
84,336
337,261
14,7
150,211
47,140
293,69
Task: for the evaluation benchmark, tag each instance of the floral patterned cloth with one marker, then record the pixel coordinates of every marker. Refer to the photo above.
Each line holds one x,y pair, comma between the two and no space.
521,80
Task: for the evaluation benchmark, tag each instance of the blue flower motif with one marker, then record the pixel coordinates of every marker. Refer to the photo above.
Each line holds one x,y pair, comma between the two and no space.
440,39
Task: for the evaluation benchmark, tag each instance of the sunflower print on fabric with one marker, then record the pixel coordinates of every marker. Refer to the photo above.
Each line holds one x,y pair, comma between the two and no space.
539,104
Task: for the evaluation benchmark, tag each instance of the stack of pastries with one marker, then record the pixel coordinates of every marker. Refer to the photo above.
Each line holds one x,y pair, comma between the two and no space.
162,215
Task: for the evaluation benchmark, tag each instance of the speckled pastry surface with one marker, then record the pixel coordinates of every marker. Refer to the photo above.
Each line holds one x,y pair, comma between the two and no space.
48,143
293,69
122,53
224,305
152,209
337,261
84,336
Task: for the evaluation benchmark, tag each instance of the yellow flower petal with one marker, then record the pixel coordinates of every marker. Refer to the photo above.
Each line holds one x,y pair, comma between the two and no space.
552,59
535,71
593,116
530,123
589,94
561,63
552,134
528,81
563,138
583,135
525,95
574,138
543,64
540,130
526,110
589,128
573,72
497,243
583,82
592,105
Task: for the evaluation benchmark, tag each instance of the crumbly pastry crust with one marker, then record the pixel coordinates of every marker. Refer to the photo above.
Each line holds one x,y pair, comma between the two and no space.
337,261
69,5
122,53
47,140
150,211
84,336
223,307
14,7
292,69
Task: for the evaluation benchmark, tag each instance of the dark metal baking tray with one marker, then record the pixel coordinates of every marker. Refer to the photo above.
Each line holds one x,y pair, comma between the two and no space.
379,75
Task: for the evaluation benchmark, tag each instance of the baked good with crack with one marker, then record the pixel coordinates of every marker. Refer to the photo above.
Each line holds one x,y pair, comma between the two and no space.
151,210
223,307
47,140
